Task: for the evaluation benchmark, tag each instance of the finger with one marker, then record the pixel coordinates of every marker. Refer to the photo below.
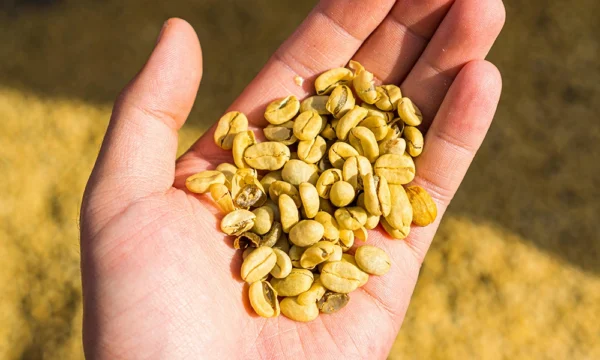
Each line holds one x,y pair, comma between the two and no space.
451,144
138,152
466,34
392,50
327,38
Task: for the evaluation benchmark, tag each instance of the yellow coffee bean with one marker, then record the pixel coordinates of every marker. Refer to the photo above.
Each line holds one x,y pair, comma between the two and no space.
396,169
316,103
263,299
363,140
327,81
414,140
268,155
388,97
200,183
228,126
363,83
282,110
311,151
409,112
291,309
349,121
424,208
340,101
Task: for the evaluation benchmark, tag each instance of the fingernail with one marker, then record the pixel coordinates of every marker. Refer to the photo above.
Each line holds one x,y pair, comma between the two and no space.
162,31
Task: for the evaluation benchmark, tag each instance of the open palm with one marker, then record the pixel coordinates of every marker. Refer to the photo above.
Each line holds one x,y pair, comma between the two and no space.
160,280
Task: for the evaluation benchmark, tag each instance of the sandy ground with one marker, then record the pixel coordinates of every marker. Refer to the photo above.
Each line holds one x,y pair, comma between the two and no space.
514,271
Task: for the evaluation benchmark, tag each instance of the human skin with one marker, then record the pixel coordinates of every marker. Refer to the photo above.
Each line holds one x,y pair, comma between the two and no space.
161,281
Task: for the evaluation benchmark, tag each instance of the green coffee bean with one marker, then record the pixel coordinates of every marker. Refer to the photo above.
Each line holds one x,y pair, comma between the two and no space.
282,110
228,170
336,255
341,193
250,195
263,299
288,211
308,125
361,233
310,199
246,240
377,125
279,188
273,235
328,132
349,121
354,169
392,146
296,254
339,152
220,195
314,294
237,222
283,133
200,183
228,126
394,233
409,112
327,81
316,254
296,172
331,228
258,264
311,151
346,239
306,233
400,216
377,195
270,178
291,309
363,83
388,97
283,264
340,101
268,155
242,141
396,169
351,218
326,180
350,259
326,206
372,110
424,208
394,132
414,141
342,277
316,103
332,302
372,260
274,206
297,282
239,180
363,140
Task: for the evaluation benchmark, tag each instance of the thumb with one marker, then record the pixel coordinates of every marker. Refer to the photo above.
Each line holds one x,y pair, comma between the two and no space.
137,157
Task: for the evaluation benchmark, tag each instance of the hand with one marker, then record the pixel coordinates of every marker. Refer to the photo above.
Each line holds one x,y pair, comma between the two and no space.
158,279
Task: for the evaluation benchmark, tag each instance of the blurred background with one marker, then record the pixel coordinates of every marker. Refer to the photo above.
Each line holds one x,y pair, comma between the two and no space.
514,271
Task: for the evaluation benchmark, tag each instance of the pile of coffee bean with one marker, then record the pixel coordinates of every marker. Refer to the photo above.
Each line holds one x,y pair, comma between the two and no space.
335,165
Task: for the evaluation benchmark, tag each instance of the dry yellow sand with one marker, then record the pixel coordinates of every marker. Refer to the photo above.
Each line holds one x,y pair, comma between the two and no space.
514,271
